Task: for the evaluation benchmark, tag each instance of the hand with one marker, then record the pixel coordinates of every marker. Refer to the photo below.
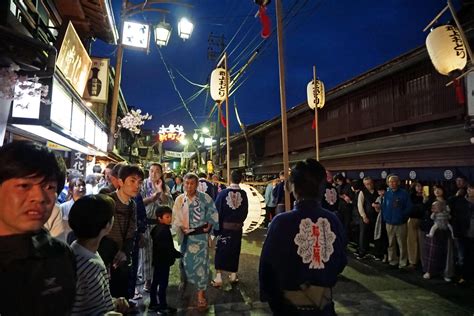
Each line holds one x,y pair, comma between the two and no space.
207,228
158,186
119,258
366,220
121,305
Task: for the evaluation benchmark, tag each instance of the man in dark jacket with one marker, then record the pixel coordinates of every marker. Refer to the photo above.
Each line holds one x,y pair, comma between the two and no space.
37,272
304,251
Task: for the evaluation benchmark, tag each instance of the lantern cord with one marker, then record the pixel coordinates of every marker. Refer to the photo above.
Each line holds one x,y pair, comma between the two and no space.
188,100
176,88
189,81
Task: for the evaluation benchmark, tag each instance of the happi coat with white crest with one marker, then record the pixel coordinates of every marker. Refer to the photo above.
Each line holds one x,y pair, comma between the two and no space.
303,247
190,213
232,205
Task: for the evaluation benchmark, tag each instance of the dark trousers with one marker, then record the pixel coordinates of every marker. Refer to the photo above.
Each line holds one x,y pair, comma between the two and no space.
366,235
381,244
269,214
160,281
132,279
119,276
468,266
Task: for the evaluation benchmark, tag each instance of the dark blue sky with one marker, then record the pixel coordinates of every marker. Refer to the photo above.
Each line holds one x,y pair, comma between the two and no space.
342,38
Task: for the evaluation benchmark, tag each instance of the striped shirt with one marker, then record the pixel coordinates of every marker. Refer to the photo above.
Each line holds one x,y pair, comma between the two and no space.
125,221
92,288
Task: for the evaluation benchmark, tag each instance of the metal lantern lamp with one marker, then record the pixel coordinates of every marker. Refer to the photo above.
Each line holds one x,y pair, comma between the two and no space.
162,33
185,28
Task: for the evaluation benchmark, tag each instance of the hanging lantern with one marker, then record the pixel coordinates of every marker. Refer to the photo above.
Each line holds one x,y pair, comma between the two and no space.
162,33
185,28
446,49
218,84
316,97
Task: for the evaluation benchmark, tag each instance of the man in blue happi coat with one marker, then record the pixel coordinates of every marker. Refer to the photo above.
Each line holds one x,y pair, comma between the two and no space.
304,251
232,205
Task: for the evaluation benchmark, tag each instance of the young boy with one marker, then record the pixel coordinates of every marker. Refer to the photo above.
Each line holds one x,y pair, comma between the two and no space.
164,255
91,218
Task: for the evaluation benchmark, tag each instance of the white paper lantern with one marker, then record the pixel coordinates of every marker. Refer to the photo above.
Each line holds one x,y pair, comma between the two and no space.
316,98
446,49
218,84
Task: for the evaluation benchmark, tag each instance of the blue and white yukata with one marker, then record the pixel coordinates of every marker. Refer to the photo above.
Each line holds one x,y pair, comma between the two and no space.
232,205
304,252
190,214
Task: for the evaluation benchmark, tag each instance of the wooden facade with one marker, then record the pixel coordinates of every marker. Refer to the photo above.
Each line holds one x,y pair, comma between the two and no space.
376,120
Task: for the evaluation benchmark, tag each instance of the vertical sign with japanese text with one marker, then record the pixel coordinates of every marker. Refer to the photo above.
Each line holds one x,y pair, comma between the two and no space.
78,162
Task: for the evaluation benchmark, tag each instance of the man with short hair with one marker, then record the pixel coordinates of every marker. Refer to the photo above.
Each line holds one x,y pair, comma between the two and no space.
233,206
368,215
124,227
396,209
37,272
194,214
304,251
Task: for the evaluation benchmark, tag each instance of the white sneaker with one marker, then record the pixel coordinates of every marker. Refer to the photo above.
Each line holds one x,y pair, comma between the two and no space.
427,276
447,279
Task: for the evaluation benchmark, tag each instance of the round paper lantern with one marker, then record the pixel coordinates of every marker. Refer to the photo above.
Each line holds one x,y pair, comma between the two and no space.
446,49
218,84
316,98
256,208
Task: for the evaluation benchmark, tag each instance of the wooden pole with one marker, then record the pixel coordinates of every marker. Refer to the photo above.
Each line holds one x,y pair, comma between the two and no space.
115,93
316,122
284,131
227,118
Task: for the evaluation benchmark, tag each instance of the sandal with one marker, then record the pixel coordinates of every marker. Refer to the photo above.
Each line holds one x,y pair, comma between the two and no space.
202,304
234,281
215,284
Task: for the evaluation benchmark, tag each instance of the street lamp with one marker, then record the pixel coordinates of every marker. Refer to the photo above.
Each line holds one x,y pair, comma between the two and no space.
162,33
185,28
129,9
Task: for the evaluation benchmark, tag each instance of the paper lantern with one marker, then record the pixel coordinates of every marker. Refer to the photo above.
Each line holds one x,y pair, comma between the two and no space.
316,97
218,84
446,49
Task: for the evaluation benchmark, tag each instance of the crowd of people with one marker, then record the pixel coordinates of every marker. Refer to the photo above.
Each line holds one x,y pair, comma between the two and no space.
92,246
416,228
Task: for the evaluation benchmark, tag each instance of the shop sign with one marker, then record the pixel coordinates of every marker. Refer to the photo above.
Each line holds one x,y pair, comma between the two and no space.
177,154
55,146
97,85
79,162
73,60
171,133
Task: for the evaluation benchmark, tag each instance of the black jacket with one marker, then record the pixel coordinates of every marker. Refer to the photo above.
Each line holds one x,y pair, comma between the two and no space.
37,275
164,253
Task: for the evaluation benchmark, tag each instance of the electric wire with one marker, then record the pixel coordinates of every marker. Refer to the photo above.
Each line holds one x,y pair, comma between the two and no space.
176,88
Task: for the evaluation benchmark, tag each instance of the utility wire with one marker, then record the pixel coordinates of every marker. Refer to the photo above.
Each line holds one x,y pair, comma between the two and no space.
176,88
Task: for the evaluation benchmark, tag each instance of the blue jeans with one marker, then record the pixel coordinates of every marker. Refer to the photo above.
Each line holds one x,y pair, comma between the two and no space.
160,281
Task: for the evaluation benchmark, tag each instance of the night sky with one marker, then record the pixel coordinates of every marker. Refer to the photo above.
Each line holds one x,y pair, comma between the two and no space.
342,38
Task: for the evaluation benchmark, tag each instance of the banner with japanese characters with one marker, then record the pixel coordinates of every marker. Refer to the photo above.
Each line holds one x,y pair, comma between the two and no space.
78,162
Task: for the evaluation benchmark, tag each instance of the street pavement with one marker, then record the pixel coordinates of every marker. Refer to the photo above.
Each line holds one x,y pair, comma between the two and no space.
365,288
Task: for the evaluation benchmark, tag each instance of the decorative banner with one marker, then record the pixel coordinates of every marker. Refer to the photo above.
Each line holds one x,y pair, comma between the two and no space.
210,167
98,83
446,49
218,84
177,154
172,132
316,97
136,35
73,60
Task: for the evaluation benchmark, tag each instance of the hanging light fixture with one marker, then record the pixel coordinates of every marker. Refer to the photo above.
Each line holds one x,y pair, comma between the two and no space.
162,33
195,136
185,28
316,96
218,84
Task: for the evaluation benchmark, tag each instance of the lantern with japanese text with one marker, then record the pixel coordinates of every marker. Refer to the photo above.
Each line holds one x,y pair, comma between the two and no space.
316,95
446,49
218,84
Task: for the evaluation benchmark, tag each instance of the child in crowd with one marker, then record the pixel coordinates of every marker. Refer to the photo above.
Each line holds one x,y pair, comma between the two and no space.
440,216
164,255
380,231
91,218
